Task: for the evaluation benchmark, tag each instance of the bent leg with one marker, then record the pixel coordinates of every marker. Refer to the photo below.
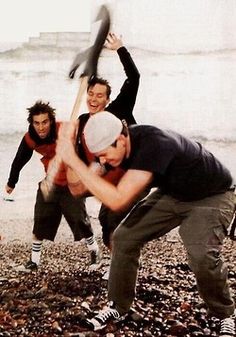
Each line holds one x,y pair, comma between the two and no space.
203,233
150,219
47,217
74,211
110,220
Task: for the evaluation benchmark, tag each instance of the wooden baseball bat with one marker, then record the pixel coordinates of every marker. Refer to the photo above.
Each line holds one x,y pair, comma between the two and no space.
89,72
47,183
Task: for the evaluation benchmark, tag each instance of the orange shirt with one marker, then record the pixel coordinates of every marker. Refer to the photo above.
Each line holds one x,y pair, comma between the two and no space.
48,151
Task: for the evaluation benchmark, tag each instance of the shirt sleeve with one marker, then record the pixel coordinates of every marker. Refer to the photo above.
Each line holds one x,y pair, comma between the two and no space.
23,155
122,106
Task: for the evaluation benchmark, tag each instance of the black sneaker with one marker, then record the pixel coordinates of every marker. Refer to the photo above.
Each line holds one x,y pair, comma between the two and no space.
30,265
95,260
227,327
105,316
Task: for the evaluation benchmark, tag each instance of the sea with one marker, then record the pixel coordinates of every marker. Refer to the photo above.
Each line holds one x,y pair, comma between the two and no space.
191,92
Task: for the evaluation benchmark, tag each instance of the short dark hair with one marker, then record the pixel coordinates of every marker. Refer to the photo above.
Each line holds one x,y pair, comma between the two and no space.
99,80
41,108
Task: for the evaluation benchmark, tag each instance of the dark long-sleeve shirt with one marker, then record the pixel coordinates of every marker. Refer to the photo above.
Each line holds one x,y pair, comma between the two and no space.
122,106
46,147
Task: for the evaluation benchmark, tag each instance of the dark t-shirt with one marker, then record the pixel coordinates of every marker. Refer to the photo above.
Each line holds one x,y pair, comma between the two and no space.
182,168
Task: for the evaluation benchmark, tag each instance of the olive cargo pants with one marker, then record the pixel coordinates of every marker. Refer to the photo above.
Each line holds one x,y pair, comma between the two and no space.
202,225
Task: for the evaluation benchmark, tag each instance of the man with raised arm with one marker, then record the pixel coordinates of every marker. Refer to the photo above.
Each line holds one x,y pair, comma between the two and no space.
98,99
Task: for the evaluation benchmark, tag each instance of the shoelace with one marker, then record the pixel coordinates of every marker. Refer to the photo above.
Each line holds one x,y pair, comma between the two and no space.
104,315
227,326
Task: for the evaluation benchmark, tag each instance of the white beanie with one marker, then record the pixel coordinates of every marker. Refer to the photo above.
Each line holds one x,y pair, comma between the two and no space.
101,130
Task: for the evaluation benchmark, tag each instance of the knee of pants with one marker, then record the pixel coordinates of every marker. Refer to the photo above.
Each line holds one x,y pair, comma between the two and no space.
124,243
203,260
120,235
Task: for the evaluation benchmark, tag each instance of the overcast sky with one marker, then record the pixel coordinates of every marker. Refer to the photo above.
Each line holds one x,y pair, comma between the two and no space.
161,24
20,19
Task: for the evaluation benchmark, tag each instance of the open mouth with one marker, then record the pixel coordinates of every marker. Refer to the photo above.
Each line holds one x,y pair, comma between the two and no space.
93,107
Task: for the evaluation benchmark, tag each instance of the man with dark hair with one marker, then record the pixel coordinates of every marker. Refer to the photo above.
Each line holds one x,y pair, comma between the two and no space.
193,191
41,137
98,99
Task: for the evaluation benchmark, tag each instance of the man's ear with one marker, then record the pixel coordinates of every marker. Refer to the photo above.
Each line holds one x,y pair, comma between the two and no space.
122,139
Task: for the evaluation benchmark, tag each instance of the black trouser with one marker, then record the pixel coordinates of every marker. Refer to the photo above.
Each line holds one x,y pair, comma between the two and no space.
48,214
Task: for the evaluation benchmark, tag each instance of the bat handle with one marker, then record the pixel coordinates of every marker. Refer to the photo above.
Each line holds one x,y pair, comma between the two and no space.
79,97
47,183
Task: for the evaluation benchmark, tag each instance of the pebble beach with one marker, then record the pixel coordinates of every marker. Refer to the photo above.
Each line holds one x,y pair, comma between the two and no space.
187,67
54,300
